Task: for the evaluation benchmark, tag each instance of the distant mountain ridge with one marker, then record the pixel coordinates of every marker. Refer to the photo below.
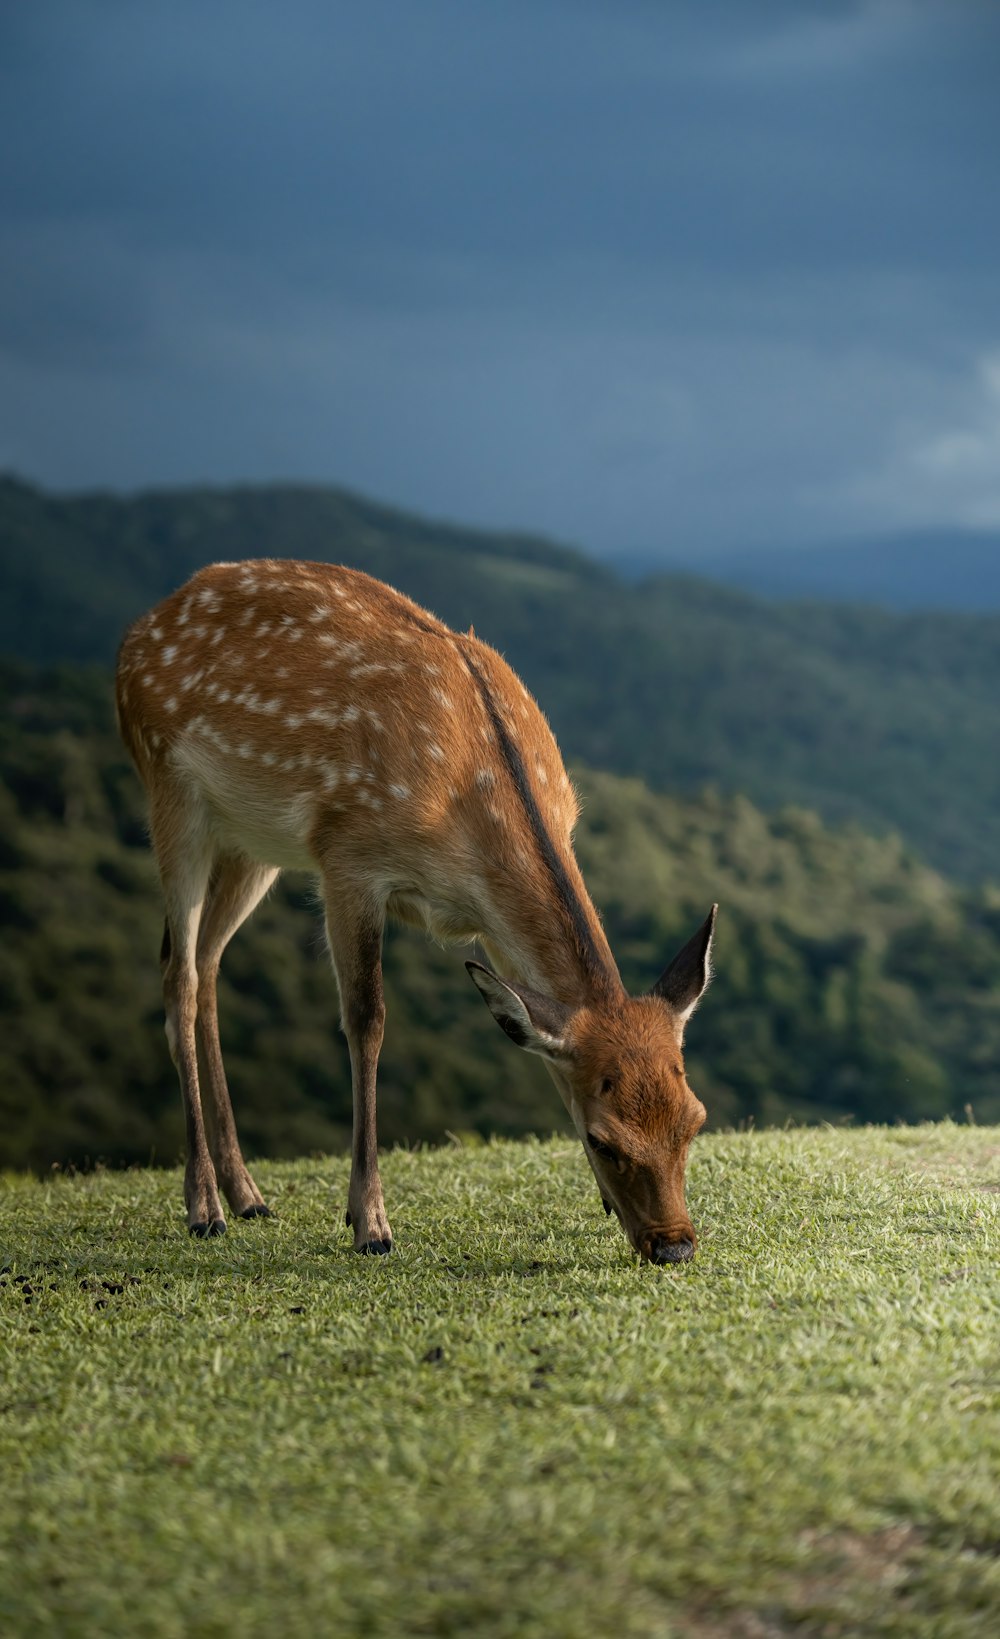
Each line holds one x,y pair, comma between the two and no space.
927,569
886,719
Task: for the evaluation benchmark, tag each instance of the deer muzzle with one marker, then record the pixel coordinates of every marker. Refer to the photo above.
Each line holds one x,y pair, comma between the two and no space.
656,1247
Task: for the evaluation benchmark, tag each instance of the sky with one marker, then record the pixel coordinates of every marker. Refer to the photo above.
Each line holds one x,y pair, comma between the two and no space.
662,280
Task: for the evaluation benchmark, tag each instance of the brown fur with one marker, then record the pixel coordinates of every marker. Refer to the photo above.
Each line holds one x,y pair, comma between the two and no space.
295,715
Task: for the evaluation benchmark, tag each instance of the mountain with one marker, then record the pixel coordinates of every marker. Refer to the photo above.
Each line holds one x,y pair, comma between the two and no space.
929,569
852,982
886,719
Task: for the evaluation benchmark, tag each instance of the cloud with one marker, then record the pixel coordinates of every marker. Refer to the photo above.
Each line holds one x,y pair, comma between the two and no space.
958,470
637,275
940,461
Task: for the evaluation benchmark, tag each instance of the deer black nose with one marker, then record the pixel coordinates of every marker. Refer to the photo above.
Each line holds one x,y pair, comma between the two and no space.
664,1251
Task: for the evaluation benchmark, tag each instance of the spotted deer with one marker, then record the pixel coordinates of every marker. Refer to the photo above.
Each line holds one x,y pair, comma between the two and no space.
300,716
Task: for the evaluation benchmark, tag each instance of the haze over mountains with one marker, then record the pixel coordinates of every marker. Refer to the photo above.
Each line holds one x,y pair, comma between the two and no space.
929,569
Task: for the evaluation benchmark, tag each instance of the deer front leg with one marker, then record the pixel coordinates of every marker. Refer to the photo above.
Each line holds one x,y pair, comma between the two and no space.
354,929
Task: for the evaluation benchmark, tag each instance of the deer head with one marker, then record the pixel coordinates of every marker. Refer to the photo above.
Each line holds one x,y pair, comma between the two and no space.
619,1067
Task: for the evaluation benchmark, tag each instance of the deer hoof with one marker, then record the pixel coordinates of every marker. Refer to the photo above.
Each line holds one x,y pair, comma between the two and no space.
380,1249
217,1226
258,1210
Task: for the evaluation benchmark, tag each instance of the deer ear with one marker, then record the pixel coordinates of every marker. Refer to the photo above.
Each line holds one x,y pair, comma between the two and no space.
534,1022
685,981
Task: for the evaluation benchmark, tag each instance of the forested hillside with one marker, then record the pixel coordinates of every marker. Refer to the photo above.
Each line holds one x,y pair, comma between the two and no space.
853,982
887,720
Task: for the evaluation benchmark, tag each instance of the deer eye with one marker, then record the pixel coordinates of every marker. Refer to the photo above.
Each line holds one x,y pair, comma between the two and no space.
605,1151
607,1084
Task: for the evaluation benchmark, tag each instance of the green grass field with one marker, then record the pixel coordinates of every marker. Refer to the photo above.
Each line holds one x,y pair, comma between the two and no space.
510,1427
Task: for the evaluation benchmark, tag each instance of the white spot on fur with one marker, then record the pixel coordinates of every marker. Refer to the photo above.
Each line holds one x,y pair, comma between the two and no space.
400,791
171,704
443,699
351,715
168,653
218,635
436,752
486,778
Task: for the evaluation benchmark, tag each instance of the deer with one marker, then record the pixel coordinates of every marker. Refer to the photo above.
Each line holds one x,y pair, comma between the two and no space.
287,715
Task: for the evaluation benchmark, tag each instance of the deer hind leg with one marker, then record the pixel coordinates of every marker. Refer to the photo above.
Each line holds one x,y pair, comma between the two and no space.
354,929
184,856
237,887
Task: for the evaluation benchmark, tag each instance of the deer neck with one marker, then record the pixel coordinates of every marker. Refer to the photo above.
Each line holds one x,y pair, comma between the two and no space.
553,941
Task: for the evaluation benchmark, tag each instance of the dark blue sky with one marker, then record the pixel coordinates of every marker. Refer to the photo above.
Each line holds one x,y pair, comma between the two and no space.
659,279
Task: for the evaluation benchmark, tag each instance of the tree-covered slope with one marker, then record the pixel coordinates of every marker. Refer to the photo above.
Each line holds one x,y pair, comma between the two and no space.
889,720
853,982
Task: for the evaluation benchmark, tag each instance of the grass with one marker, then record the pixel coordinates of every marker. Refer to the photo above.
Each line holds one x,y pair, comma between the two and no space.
510,1427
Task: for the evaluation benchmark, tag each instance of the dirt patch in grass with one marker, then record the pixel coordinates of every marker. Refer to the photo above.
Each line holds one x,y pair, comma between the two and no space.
852,1574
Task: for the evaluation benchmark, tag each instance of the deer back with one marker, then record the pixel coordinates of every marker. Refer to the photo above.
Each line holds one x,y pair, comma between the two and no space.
322,720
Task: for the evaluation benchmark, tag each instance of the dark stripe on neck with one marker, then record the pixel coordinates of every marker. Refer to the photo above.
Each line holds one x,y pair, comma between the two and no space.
592,959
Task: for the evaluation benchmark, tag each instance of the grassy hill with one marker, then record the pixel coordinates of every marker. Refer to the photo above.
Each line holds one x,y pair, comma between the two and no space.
886,720
854,983
508,1428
